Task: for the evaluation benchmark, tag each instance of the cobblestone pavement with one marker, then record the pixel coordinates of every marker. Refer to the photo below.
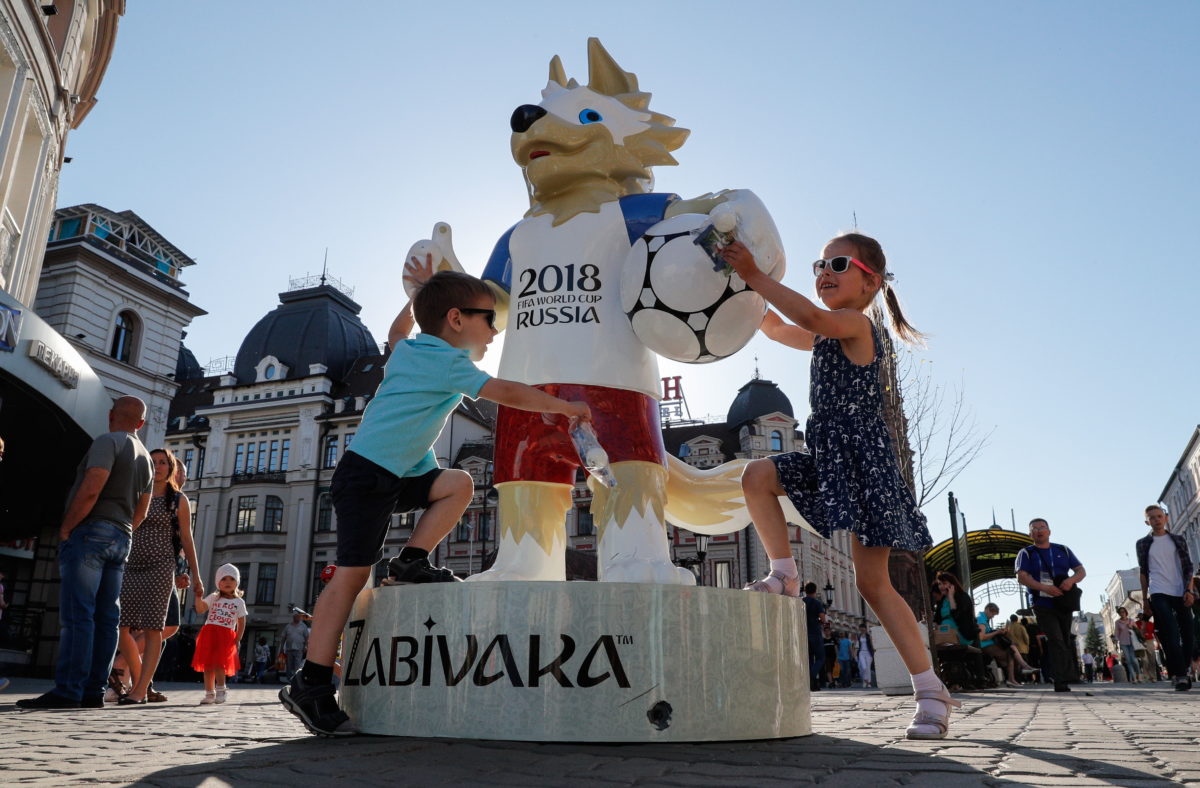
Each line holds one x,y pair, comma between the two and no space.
1097,735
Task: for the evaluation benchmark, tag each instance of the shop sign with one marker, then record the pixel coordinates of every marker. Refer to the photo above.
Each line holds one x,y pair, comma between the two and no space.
10,328
46,356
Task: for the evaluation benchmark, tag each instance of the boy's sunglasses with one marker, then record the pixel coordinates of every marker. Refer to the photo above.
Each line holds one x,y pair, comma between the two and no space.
839,265
489,314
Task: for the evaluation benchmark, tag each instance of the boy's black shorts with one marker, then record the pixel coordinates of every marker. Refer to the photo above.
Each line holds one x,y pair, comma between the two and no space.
364,496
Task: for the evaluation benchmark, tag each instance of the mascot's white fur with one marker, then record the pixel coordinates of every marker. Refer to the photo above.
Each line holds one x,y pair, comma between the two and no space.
586,152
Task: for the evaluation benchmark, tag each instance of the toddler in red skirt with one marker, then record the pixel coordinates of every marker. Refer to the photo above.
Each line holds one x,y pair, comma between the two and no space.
217,646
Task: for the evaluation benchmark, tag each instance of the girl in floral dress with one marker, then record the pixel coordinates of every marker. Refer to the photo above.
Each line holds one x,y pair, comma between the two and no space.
849,479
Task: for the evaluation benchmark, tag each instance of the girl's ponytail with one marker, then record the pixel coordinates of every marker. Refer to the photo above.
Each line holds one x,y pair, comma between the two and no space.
870,252
904,329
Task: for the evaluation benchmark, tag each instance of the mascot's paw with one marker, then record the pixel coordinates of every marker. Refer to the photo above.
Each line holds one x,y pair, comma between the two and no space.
503,574
640,571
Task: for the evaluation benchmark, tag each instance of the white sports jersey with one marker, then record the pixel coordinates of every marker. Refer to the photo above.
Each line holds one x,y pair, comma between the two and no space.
565,322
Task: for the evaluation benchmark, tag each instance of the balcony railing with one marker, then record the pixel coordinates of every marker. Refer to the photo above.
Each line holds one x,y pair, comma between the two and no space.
260,476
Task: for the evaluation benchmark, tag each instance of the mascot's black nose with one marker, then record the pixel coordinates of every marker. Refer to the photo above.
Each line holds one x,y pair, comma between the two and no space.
524,116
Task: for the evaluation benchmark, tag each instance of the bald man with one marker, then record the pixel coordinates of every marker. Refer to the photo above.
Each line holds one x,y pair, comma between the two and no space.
109,500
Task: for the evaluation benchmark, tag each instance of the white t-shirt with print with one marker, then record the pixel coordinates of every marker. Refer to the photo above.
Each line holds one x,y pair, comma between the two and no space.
224,612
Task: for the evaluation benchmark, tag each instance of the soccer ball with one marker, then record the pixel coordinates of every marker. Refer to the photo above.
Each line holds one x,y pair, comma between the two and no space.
678,305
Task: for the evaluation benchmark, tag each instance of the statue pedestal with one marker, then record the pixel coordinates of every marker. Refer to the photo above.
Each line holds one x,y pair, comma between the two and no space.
554,661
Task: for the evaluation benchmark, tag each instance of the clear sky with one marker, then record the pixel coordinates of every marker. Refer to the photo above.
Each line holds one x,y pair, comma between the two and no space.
1032,170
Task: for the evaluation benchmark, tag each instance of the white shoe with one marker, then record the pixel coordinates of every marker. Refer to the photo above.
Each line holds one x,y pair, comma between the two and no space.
220,695
111,695
208,699
925,725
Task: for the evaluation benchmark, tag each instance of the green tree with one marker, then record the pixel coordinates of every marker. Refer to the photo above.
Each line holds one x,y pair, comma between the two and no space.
1092,641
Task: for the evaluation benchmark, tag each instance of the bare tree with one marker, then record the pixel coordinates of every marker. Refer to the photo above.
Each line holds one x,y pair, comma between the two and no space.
942,432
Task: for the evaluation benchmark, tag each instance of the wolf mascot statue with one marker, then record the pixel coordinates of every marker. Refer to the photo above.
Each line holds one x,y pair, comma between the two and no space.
586,152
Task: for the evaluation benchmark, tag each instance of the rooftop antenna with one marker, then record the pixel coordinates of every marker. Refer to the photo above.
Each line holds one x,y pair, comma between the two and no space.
325,265
854,218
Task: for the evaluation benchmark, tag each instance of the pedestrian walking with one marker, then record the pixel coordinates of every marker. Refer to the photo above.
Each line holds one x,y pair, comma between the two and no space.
217,646
1124,636
814,614
1165,569
1150,661
109,499
1052,573
866,655
850,479
295,643
262,655
1089,667
845,659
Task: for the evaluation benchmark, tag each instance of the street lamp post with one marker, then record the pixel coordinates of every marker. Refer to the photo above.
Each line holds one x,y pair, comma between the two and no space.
698,561
828,594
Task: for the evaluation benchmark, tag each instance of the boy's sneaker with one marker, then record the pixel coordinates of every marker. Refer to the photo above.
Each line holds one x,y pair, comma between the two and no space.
418,570
316,707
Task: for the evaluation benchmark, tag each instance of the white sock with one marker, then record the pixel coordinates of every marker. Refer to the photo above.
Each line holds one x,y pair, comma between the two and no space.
785,567
928,682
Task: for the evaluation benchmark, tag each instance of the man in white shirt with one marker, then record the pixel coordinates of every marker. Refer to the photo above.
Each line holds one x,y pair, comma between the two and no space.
1166,569
295,643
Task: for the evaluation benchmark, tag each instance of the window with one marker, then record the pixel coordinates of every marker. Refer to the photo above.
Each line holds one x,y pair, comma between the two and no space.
585,525
273,462
721,578
462,531
244,573
264,589
247,509
273,516
262,456
485,526
125,334
776,440
331,451
198,469
239,457
188,456
251,457
283,454
324,513
349,437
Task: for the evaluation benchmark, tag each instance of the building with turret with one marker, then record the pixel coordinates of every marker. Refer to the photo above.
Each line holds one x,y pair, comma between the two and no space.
261,441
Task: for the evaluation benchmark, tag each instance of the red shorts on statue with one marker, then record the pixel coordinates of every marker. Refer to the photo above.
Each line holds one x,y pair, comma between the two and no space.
535,447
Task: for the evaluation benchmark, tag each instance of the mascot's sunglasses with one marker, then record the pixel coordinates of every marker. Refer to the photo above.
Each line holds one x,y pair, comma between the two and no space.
839,265
489,314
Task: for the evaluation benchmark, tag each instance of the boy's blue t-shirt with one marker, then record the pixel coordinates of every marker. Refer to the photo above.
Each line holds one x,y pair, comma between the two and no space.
424,381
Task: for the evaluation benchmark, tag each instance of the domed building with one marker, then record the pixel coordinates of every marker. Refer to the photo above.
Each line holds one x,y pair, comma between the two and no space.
262,438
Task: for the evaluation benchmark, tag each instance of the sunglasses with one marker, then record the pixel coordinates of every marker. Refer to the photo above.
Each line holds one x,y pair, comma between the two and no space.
839,265
489,314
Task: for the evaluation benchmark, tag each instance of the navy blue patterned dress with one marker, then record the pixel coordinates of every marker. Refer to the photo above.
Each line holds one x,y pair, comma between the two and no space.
849,479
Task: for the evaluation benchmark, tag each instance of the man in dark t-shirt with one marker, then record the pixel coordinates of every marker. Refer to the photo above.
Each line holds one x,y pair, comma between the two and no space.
814,612
109,499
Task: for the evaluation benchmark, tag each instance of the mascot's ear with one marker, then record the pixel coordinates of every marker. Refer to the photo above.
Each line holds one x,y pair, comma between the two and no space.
604,75
557,73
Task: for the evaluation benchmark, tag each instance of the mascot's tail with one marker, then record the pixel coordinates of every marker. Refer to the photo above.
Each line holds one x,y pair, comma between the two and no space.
710,501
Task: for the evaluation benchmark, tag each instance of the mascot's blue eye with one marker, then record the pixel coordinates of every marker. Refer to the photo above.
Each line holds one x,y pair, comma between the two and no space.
589,116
